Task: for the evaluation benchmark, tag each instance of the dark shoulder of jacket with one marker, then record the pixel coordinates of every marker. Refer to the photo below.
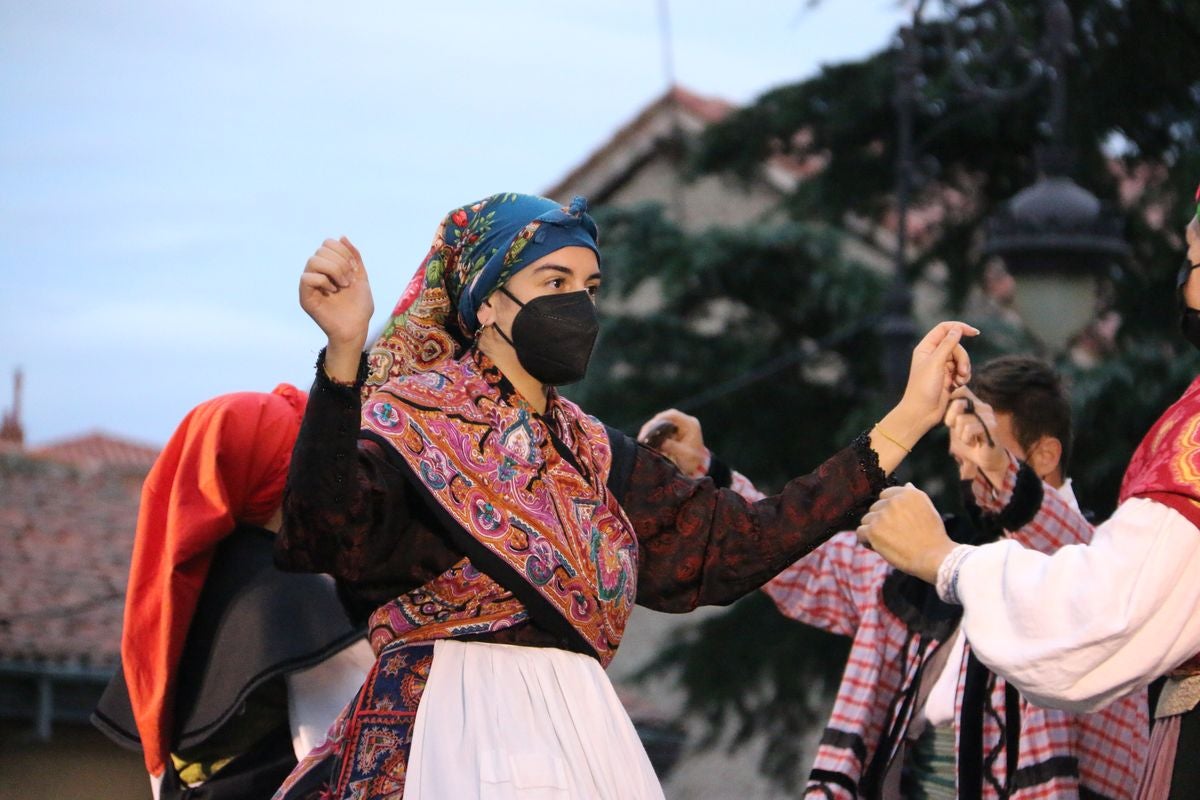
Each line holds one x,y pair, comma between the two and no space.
624,453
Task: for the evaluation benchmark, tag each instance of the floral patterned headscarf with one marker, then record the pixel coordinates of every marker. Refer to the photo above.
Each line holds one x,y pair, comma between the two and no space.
476,249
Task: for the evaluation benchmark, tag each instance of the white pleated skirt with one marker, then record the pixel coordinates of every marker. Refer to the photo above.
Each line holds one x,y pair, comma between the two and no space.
502,722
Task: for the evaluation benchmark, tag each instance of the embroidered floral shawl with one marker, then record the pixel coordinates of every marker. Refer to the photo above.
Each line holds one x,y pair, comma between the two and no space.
528,491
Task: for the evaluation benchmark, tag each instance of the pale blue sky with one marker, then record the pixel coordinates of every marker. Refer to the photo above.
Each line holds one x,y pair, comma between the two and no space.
167,167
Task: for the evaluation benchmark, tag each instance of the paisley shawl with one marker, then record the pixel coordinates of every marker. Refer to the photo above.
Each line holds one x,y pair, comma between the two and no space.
1165,468
537,519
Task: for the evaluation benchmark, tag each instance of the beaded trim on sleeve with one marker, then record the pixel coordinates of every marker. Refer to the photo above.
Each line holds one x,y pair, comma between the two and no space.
868,462
327,382
947,575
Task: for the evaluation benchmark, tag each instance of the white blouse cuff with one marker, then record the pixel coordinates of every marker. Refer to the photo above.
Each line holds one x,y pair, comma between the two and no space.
947,575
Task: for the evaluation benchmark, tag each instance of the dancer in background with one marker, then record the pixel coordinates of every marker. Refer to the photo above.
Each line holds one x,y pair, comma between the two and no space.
230,669
917,715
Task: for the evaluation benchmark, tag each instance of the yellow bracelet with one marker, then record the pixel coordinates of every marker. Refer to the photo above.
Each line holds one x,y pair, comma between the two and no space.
884,434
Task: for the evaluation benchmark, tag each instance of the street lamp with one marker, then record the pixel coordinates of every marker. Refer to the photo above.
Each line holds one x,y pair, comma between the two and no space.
1055,237
897,328
1057,240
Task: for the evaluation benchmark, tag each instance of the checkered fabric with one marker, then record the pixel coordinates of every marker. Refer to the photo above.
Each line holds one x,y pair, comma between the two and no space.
838,588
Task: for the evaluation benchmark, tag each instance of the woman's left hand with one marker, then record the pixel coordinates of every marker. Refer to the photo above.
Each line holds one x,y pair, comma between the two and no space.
940,364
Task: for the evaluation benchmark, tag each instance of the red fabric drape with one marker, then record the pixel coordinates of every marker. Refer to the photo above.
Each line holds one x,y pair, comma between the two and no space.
227,462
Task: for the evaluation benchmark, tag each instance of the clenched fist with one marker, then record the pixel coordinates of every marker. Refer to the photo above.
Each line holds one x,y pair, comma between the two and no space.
972,422
335,292
905,528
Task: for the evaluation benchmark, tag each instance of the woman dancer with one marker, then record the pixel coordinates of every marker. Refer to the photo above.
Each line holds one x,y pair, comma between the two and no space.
502,536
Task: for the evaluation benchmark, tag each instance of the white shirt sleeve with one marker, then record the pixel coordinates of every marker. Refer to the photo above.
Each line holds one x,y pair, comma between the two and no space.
1090,623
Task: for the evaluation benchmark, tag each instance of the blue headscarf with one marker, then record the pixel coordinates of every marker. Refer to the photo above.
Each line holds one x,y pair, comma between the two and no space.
476,249
514,231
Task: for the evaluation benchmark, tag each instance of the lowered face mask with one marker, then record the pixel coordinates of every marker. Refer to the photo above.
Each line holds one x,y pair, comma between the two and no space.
554,335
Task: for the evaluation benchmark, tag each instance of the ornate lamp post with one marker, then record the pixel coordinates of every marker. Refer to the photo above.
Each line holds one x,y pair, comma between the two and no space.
897,327
1055,237
1052,235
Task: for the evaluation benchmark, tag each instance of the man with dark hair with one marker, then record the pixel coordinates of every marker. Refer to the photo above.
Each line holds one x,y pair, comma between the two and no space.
917,715
1032,409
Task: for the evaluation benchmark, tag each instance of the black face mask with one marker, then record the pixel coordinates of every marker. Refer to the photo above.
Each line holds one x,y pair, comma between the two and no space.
1189,318
554,335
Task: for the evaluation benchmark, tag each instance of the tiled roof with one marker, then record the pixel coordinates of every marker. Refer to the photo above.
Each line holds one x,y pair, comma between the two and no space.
611,163
696,112
67,518
98,451
709,109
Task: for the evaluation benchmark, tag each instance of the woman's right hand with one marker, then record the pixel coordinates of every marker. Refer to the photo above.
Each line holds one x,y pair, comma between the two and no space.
335,292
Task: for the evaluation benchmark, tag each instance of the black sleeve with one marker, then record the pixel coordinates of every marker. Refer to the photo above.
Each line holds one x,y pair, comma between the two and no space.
699,544
624,451
348,510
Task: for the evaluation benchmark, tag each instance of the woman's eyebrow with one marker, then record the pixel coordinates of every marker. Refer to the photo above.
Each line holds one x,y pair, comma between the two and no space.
595,276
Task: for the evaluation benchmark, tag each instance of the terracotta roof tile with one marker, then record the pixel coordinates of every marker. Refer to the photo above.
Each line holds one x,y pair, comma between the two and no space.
702,110
67,518
98,450
693,113
709,109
